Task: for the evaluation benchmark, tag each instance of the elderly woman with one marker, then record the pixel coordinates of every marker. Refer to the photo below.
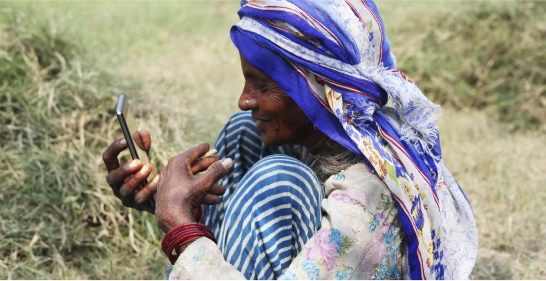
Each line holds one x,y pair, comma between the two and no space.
317,178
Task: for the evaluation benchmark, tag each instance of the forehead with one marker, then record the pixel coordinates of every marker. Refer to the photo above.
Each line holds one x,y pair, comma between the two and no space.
249,71
246,65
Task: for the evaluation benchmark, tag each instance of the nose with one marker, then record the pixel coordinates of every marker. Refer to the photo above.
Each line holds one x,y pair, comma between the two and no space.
247,101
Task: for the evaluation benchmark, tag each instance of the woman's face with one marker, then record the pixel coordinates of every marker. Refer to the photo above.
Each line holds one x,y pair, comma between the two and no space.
279,118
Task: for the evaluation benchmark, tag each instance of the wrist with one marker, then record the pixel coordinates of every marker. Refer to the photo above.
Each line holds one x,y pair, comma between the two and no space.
166,224
176,240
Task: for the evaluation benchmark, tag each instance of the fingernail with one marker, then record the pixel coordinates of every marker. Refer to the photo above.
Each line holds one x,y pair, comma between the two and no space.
211,152
227,163
155,179
145,169
134,163
122,141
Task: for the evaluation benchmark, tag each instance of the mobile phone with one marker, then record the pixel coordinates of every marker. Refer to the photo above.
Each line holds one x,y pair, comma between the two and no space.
129,129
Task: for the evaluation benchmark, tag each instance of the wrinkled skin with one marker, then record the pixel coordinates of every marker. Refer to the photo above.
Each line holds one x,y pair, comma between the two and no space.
188,181
180,190
279,118
177,189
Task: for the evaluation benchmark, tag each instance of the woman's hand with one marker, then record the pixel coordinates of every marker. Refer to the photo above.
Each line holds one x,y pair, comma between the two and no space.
128,180
187,182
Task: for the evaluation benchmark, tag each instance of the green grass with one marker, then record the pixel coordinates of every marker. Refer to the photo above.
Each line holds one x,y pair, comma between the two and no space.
62,65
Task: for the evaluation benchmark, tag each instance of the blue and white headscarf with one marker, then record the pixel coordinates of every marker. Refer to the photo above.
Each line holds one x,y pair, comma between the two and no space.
334,59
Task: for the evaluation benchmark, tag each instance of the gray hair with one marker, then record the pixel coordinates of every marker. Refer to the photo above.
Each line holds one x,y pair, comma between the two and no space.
333,159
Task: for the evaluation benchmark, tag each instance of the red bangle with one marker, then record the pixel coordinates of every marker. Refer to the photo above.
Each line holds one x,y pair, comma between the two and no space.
184,234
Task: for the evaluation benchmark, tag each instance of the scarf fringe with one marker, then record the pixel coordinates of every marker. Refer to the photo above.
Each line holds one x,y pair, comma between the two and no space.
418,113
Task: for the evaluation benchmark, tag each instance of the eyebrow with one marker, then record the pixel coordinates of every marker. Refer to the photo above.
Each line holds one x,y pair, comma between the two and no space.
249,75
255,76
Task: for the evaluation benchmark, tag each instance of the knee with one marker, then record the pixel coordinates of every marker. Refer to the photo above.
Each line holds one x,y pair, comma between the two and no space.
278,173
282,191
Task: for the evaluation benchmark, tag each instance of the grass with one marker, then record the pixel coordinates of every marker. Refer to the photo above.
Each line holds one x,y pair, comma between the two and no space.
485,56
70,60
503,178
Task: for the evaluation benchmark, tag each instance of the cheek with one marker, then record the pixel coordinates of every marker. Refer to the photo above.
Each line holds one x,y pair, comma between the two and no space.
290,122
295,122
296,115
284,108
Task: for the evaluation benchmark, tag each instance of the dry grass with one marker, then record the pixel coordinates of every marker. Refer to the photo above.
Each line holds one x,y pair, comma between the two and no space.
503,176
59,219
485,55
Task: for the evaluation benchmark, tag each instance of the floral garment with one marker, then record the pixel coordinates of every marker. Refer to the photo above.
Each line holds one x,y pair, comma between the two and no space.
360,237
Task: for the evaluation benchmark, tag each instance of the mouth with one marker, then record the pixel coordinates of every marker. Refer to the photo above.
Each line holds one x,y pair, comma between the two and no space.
260,124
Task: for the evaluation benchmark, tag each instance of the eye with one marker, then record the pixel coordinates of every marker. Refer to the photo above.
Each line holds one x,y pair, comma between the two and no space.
260,85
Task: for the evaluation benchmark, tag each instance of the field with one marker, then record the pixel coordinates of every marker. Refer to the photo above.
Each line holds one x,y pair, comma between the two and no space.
63,64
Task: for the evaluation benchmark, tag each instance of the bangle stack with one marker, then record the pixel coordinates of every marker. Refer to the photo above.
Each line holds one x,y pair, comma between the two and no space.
184,234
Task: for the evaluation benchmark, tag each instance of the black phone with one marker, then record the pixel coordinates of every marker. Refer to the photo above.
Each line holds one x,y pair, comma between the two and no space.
129,129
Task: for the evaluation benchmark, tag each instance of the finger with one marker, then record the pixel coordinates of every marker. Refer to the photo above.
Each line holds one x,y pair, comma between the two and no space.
116,177
147,192
143,139
213,195
188,157
197,151
110,155
215,172
217,189
128,189
210,199
203,163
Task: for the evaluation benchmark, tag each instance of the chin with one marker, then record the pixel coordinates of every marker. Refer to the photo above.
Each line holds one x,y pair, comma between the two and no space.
272,142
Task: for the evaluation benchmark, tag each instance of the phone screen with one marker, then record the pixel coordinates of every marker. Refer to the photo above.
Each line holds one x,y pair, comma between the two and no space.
129,128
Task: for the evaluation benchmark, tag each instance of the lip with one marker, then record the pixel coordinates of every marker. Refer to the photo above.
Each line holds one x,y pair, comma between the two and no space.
260,123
